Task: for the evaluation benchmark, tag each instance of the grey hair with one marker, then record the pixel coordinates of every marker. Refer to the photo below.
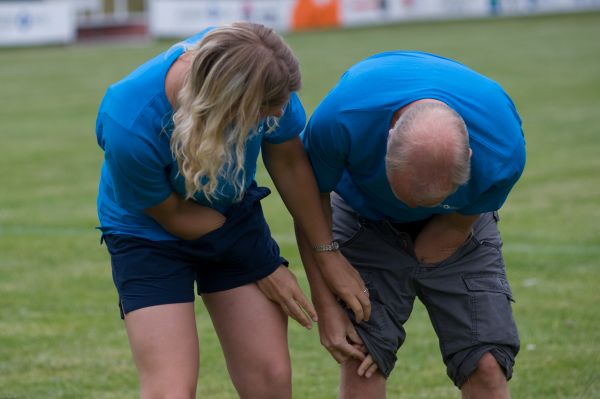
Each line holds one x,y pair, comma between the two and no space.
430,145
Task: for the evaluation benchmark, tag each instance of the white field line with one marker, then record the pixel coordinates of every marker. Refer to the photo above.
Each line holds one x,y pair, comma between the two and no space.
290,239
45,230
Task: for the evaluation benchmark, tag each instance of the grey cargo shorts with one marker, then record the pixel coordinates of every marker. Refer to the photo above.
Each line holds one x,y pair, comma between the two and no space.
467,296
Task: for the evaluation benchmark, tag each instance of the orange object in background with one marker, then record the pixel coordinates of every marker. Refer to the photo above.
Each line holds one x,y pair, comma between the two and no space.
316,14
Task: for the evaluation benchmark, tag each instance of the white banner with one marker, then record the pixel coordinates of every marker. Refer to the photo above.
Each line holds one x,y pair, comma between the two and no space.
366,12
510,7
36,22
178,18
437,9
369,12
362,12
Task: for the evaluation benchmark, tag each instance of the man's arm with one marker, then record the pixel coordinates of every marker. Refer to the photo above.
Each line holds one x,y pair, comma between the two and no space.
292,174
442,236
185,218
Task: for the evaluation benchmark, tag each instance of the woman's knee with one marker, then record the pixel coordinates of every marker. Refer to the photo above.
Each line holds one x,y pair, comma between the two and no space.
168,390
269,380
280,374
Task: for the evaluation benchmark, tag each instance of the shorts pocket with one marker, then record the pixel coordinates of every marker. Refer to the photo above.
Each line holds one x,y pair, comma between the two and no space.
490,300
347,229
352,238
123,244
486,231
496,283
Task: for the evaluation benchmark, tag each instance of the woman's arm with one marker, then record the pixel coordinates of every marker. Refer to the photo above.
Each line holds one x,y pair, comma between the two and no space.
336,331
184,218
292,174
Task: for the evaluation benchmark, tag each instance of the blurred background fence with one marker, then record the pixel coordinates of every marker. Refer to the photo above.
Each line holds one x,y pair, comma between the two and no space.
38,22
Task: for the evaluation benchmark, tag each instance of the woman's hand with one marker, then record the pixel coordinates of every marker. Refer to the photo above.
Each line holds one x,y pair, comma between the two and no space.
338,334
282,288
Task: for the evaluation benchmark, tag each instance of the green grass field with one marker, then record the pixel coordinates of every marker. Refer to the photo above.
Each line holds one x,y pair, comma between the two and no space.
60,332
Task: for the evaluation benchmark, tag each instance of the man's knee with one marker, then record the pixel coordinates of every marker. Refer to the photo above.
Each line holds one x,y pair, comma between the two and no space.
353,386
488,372
492,363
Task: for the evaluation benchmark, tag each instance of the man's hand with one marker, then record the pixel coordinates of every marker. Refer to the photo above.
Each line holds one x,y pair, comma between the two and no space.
282,288
345,283
338,335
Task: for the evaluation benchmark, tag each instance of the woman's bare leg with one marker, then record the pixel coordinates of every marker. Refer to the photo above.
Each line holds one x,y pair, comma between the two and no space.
164,343
253,335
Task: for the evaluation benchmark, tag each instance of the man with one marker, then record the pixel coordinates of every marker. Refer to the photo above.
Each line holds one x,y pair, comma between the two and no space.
419,152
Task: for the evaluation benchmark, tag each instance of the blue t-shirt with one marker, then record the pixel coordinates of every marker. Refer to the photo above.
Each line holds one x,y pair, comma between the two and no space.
134,127
346,137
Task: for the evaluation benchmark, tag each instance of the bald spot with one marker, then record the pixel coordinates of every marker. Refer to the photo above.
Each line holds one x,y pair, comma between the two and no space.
432,147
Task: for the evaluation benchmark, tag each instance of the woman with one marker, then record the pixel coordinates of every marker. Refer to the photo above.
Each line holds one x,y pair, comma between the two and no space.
178,203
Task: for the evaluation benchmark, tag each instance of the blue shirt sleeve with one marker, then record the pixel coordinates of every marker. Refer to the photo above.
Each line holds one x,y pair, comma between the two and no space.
495,195
327,144
138,173
491,200
290,124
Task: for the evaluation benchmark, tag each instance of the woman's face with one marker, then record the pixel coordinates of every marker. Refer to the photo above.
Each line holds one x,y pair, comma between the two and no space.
275,110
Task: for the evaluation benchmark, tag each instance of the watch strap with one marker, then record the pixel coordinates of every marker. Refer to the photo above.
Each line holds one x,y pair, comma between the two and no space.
331,247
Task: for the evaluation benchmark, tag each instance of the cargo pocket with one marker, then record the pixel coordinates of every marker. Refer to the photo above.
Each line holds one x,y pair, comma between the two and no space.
490,300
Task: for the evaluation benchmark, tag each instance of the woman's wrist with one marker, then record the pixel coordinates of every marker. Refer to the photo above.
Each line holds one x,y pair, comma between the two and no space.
331,246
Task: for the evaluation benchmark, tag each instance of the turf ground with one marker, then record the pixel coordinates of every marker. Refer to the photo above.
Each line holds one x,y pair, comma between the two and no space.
60,334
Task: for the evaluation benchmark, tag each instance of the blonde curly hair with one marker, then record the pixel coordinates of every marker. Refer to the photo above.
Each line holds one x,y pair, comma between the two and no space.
239,74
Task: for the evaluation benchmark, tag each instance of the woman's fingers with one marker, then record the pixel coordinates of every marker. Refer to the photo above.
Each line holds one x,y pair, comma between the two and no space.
296,312
282,288
367,367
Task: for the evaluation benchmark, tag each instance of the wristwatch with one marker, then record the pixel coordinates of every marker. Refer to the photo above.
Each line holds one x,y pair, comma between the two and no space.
331,247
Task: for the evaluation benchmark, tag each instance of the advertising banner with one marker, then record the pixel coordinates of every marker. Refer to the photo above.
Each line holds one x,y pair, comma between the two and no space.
363,12
311,14
36,23
436,9
511,7
177,18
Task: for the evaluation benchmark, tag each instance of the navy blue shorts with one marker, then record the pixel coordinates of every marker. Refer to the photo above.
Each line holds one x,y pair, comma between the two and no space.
148,273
